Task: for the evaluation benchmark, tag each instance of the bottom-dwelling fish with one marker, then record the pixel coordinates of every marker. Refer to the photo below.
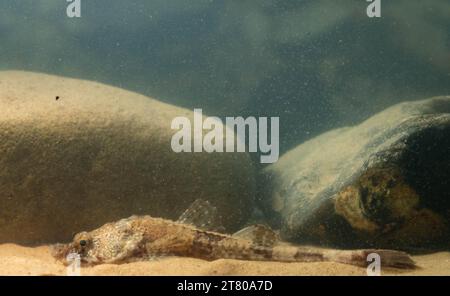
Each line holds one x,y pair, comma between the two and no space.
140,237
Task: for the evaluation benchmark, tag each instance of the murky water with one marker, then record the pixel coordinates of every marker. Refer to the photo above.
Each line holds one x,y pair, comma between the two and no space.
298,68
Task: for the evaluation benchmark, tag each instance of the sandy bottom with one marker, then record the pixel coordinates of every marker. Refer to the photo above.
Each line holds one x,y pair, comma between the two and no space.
18,260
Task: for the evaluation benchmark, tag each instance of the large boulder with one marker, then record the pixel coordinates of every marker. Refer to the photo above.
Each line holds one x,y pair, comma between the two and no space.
97,154
384,182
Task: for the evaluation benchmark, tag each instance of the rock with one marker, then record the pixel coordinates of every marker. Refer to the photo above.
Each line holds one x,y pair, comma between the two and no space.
75,154
383,183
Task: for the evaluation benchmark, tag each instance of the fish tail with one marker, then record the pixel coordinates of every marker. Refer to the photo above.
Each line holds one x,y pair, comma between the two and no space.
387,258
234,249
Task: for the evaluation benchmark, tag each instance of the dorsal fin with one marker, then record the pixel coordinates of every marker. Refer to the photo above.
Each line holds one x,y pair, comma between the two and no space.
259,234
201,214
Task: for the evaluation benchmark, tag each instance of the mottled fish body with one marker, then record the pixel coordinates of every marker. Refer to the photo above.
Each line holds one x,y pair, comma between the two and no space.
140,237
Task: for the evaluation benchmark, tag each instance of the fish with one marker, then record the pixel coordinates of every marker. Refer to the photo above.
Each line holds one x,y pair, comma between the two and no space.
194,235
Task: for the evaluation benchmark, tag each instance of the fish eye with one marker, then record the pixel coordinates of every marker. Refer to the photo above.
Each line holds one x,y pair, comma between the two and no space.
83,242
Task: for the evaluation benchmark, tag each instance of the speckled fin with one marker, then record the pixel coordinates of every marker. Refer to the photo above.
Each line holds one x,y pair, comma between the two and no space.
260,235
203,215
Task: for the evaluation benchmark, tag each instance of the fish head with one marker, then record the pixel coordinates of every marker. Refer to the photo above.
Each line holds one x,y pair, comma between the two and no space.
82,246
110,243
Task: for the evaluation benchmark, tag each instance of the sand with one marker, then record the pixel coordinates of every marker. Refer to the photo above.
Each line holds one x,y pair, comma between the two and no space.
18,260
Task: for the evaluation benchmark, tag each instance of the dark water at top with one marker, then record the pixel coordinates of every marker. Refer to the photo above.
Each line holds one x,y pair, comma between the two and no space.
316,64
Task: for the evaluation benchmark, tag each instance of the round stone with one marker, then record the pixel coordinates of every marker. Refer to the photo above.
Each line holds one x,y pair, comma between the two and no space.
76,154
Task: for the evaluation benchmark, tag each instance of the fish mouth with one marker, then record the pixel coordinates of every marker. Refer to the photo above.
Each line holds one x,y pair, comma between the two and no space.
68,255
59,251
65,253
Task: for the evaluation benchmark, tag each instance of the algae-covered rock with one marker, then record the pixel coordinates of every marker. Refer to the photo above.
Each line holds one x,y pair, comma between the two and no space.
384,182
76,154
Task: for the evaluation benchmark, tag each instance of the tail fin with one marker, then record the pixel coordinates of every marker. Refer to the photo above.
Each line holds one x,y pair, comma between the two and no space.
388,258
396,259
